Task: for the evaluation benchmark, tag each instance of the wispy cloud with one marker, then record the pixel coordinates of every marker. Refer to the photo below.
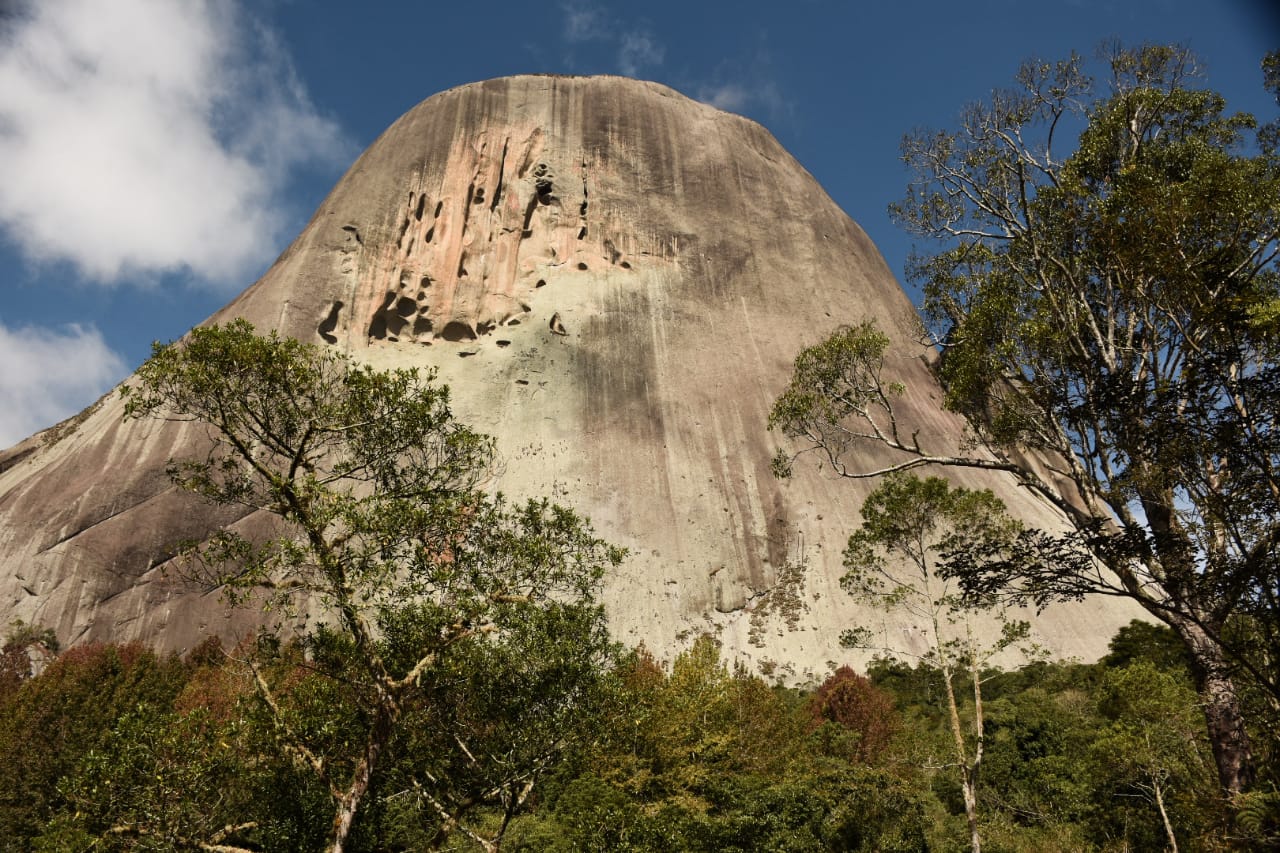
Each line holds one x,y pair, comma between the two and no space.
633,45
48,374
743,96
583,23
745,85
637,50
726,96
140,137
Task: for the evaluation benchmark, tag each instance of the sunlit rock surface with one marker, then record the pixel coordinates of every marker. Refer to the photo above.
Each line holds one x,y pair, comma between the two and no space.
614,280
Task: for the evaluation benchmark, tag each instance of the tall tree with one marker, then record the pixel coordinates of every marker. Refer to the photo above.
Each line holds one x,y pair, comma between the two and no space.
380,523
894,560
1113,311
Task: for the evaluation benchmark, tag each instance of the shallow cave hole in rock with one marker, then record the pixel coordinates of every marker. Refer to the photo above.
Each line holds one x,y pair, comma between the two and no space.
614,254
379,328
484,328
522,381
582,234
457,331
503,343
406,307
439,207
422,206
542,282
625,265
329,323
478,198
542,184
582,265
421,327
431,232
395,326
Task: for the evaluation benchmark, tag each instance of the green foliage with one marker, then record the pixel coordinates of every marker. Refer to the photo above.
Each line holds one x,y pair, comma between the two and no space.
1143,642
69,710
911,529
163,781
838,379
423,579
1111,307
701,758
1151,763
694,756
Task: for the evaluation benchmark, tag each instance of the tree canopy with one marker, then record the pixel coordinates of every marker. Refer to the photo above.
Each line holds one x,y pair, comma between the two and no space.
417,581
1111,309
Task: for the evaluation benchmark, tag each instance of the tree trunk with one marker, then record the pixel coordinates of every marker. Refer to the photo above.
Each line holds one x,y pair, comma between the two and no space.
349,803
968,780
1158,790
1228,738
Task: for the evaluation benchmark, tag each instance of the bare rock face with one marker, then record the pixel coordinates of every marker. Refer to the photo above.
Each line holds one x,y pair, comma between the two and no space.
614,280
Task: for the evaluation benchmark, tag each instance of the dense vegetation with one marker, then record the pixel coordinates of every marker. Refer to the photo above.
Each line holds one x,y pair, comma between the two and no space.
1105,312
139,751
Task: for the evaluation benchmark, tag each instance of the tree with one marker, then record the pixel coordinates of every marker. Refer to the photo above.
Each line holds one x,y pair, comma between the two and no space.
909,528
1151,751
852,704
1107,324
379,522
67,711
700,757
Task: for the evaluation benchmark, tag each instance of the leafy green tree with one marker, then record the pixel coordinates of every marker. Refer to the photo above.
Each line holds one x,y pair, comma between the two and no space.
1036,773
909,526
1151,751
64,713
378,520
159,781
1144,642
1111,310
701,758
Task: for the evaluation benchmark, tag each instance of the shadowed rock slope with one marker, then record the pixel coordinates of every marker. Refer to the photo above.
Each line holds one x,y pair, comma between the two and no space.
614,280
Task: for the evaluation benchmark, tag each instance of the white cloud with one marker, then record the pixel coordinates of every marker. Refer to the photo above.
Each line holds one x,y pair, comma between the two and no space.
47,375
582,23
636,47
146,136
636,50
746,88
729,96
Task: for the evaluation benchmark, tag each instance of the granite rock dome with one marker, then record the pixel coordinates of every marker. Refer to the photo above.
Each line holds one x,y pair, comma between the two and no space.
614,280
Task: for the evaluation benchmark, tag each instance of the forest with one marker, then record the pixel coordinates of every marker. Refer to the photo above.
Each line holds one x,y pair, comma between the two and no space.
140,751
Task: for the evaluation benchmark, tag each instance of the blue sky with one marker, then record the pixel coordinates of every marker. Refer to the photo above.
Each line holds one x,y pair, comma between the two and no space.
156,156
